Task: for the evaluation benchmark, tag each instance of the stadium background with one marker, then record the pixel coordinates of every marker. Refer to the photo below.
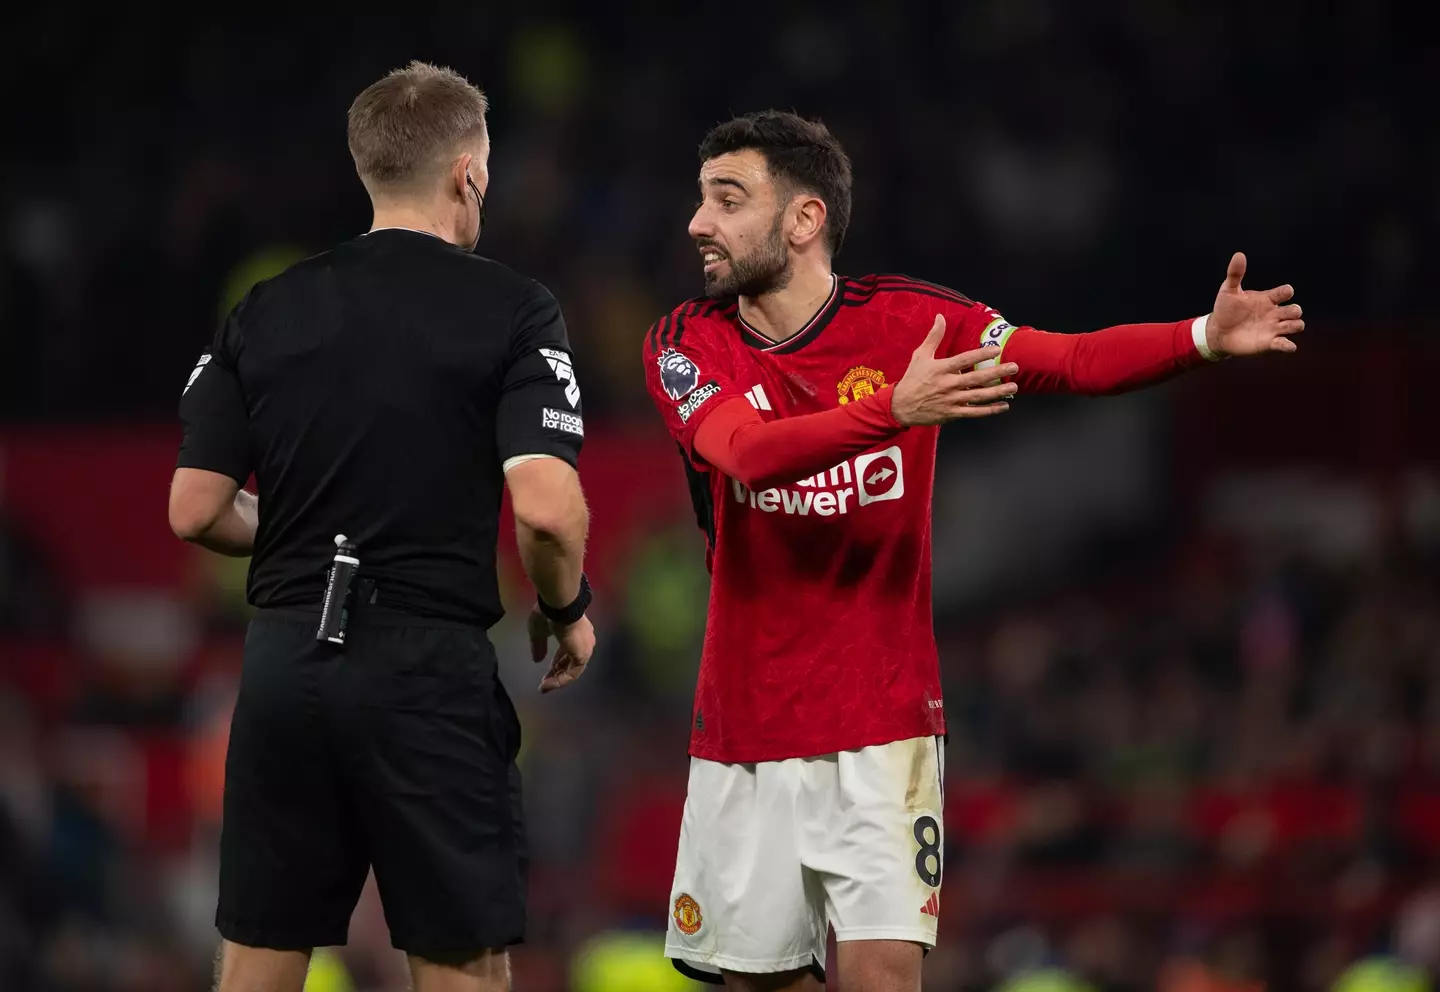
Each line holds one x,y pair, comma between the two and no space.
1190,637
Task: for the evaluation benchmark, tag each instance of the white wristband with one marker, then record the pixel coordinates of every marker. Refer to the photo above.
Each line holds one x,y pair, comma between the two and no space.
521,460
1197,334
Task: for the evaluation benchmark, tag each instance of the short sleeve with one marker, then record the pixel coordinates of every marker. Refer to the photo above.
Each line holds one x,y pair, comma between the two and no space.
687,375
214,418
539,411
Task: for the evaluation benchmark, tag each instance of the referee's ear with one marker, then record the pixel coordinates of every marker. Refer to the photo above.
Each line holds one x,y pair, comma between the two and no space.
458,173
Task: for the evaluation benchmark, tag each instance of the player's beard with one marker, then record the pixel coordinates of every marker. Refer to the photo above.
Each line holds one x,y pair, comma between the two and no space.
765,270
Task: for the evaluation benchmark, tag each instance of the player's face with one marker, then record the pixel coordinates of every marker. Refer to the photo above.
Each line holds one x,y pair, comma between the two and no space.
738,227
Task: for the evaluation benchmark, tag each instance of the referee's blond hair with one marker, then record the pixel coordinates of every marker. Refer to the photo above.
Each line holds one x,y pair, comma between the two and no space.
406,128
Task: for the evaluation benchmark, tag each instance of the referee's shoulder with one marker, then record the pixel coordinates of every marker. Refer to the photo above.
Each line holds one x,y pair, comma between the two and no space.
507,282
698,312
294,274
279,288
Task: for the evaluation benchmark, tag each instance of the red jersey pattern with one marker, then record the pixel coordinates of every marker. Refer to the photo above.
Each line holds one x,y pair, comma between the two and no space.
820,635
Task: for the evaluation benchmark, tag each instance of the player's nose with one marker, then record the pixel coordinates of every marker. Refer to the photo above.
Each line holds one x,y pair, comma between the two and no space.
700,225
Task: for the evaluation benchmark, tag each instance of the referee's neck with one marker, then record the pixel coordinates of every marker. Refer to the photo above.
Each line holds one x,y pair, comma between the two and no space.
411,219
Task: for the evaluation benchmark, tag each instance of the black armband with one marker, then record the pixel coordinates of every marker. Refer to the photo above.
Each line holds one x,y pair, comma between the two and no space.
572,613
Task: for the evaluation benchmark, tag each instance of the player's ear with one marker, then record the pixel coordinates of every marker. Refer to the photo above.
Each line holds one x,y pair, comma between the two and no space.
809,219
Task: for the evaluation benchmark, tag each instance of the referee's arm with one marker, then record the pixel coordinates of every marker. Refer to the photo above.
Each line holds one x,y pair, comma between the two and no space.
540,430
207,505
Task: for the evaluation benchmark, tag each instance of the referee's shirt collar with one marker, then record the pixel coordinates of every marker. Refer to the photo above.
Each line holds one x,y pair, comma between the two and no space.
412,230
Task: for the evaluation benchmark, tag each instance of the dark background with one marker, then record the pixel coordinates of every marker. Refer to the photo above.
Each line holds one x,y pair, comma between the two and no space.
1190,637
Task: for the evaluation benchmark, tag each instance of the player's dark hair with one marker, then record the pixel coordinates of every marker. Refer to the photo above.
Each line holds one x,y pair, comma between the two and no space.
801,153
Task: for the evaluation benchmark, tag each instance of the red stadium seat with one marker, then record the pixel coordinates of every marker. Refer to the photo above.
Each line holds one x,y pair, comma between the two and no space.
1418,819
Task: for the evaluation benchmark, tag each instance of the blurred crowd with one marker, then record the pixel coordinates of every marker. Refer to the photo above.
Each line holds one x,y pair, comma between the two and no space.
1025,152
1182,759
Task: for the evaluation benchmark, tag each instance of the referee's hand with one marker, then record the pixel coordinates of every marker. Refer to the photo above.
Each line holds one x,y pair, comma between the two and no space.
576,644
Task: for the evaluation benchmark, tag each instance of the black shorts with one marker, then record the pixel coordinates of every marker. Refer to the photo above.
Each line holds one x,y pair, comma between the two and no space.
397,751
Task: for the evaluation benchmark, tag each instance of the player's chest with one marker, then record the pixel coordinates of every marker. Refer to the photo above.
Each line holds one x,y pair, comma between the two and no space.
821,376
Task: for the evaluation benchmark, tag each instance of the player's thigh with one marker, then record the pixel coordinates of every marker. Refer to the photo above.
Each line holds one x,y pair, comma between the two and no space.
440,737
292,861
805,980
874,833
741,900
879,965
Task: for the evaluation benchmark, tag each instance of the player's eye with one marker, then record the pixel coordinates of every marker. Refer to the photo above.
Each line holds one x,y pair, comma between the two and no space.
730,204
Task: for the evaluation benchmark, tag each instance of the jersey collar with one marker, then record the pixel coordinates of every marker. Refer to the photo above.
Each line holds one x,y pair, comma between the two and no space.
807,333
412,230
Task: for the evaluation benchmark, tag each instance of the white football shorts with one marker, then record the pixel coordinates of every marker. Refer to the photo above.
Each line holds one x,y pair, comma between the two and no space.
772,853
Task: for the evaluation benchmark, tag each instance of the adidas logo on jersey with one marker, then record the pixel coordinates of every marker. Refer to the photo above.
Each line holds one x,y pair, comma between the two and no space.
874,478
932,906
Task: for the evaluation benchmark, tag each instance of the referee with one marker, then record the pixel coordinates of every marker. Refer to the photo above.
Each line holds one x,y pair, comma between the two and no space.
387,391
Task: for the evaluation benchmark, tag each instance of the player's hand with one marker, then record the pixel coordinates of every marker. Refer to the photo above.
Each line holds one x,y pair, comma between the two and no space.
576,642
939,390
1250,321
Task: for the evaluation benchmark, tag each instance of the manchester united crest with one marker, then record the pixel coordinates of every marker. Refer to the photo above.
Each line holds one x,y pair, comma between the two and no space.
687,915
859,383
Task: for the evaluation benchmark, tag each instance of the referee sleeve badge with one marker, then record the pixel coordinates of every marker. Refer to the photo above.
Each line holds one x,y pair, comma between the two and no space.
564,370
195,372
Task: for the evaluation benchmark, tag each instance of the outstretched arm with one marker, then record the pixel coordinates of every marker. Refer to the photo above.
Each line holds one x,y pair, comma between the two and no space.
1129,356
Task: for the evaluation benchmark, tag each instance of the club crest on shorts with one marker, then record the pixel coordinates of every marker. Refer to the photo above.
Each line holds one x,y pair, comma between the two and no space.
678,375
687,915
859,383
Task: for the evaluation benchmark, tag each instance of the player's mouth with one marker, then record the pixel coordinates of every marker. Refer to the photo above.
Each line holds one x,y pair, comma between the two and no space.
712,257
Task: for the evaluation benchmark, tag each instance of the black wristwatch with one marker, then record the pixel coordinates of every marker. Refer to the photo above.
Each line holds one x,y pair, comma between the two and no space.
568,614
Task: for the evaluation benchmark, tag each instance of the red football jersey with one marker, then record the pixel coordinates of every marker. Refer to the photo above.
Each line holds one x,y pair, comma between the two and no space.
820,636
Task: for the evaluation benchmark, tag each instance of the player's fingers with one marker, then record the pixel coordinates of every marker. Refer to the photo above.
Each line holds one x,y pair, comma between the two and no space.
1235,272
989,394
1292,326
984,377
1283,345
966,359
1292,312
932,340
973,412
1281,294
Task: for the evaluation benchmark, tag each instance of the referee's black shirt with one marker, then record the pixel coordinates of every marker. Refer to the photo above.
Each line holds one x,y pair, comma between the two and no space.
376,390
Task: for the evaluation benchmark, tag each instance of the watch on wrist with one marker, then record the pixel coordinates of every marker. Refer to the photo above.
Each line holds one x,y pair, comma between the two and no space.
566,615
